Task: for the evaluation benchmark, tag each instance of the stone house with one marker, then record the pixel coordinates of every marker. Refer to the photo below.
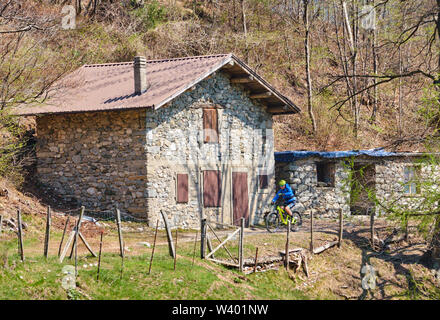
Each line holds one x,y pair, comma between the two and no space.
321,180
189,136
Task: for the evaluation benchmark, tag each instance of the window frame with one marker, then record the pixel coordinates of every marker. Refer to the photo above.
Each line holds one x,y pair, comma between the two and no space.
329,166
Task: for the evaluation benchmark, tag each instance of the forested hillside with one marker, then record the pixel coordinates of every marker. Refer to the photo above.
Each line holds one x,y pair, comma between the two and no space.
372,77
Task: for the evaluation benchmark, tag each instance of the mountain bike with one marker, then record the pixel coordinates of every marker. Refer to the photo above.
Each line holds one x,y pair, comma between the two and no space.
277,218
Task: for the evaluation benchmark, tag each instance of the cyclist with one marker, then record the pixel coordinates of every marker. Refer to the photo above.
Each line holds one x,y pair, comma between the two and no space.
288,196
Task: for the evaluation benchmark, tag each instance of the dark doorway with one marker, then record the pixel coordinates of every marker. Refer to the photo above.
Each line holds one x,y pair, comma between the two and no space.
364,182
240,197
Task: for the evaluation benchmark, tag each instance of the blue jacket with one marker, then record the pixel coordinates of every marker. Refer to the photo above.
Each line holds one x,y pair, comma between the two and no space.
287,194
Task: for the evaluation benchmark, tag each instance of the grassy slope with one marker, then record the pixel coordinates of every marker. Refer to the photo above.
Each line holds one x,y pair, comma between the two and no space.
334,274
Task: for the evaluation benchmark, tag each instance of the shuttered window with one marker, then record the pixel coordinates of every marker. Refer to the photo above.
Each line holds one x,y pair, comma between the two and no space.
182,188
262,181
211,188
210,125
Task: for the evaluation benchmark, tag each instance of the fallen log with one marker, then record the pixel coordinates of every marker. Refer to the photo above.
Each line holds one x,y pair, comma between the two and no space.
291,251
325,247
226,263
262,260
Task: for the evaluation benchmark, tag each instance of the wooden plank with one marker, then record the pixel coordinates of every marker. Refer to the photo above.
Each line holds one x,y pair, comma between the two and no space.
169,236
121,240
246,79
72,235
64,233
263,95
224,241
208,241
224,247
325,247
226,263
68,243
86,244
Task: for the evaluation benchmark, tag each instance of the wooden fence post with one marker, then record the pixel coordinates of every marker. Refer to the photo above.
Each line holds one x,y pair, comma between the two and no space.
406,228
311,231
47,237
169,235
256,256
20,235
372,229
154,246
99,259
240,248
195,243
78,226
341,225
64,234
202,238
121,240
287,245
175,256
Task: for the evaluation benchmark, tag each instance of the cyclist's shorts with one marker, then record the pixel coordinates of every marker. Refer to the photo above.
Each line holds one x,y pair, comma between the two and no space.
291,205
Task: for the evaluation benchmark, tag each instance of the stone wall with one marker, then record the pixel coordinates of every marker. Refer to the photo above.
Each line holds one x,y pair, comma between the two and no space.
175,145
389,184
131,158
311,197
96,159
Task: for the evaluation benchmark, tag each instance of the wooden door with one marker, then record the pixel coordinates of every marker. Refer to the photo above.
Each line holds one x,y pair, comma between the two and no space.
240,197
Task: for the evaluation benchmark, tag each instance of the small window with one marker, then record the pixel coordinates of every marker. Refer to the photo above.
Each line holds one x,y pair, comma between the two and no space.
263,181
182,188
410,177
325,174
211,188
210,125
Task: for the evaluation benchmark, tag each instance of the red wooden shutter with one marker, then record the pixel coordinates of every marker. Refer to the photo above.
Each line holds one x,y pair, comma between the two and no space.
210,125
182,188
211,188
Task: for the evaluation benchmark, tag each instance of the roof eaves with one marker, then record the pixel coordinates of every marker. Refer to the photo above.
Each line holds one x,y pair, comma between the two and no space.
265,84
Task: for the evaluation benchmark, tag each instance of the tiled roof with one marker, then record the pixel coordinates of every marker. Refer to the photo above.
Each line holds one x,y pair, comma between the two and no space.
104,87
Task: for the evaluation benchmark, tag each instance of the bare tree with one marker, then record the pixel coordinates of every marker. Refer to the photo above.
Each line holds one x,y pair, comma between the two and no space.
307,56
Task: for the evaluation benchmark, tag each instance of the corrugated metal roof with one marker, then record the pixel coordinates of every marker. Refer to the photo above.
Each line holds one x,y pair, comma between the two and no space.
104,87
288,156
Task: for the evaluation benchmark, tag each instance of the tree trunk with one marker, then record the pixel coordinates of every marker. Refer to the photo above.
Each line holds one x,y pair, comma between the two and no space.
307,52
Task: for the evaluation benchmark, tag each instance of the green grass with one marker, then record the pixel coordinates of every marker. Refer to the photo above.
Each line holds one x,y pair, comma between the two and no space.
37,278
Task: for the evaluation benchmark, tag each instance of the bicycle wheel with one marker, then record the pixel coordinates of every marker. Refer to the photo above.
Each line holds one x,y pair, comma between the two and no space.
272,222
296,221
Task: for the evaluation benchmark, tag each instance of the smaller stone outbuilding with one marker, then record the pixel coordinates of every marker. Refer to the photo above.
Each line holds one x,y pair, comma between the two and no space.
326,182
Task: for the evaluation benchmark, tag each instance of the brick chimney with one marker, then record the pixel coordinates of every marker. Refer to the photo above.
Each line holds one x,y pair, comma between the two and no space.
140,75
